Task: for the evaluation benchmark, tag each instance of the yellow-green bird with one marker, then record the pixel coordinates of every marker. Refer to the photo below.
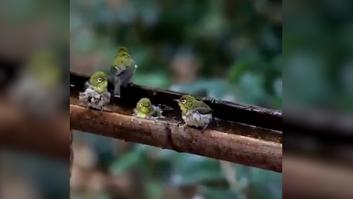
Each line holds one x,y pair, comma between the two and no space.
96,95
122,70
146,110
195,113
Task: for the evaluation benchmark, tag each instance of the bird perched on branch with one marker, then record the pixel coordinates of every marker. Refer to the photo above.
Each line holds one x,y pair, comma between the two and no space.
146,110
195,113
96,95
122,70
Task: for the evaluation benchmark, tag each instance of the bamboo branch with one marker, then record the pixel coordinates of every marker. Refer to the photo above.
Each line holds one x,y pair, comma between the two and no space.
230,140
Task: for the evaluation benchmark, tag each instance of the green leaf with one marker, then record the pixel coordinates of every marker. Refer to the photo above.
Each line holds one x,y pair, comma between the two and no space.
154,189
193,169
267,183
216,193
127,161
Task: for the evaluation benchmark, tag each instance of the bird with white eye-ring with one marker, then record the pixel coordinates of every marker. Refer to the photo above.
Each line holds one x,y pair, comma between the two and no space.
96,95
146,110
194,113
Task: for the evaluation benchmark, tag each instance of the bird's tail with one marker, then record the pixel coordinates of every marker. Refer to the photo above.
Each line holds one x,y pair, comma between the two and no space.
117,89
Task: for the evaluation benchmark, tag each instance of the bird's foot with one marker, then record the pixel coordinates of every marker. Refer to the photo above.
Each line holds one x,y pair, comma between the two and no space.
203,129
82,104
182,125
154,119
106,109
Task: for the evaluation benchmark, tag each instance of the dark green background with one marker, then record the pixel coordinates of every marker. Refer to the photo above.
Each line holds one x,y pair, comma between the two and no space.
226,49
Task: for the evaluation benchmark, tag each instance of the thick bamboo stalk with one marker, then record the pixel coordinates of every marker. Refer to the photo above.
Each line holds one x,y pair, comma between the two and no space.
242,134
233,147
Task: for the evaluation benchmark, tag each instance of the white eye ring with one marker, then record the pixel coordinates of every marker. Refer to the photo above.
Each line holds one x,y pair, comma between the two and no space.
141,105
99,80
183,101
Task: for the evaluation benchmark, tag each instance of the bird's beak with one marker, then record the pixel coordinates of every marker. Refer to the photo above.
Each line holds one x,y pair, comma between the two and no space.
177,100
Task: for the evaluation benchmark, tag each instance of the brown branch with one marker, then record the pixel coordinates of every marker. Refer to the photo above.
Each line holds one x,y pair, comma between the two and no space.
238,134
250,151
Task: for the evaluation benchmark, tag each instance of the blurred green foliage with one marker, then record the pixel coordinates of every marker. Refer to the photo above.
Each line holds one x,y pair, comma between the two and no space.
186,42
225,49
318,46
154,172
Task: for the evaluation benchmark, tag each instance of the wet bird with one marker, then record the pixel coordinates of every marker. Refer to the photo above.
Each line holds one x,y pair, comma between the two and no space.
122,70
195,113
146,110
96,95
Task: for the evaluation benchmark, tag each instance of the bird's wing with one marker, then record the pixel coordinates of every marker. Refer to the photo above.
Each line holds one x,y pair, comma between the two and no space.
165,107
203,108
87,85
106,97
122,70
124,77
117,70
157,110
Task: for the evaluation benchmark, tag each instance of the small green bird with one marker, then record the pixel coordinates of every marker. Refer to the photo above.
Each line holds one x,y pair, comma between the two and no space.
195,113
146,110
122,70
96,95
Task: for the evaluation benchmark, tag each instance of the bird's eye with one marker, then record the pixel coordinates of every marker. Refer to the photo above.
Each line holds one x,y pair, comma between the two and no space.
99,80
183,101
141,105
